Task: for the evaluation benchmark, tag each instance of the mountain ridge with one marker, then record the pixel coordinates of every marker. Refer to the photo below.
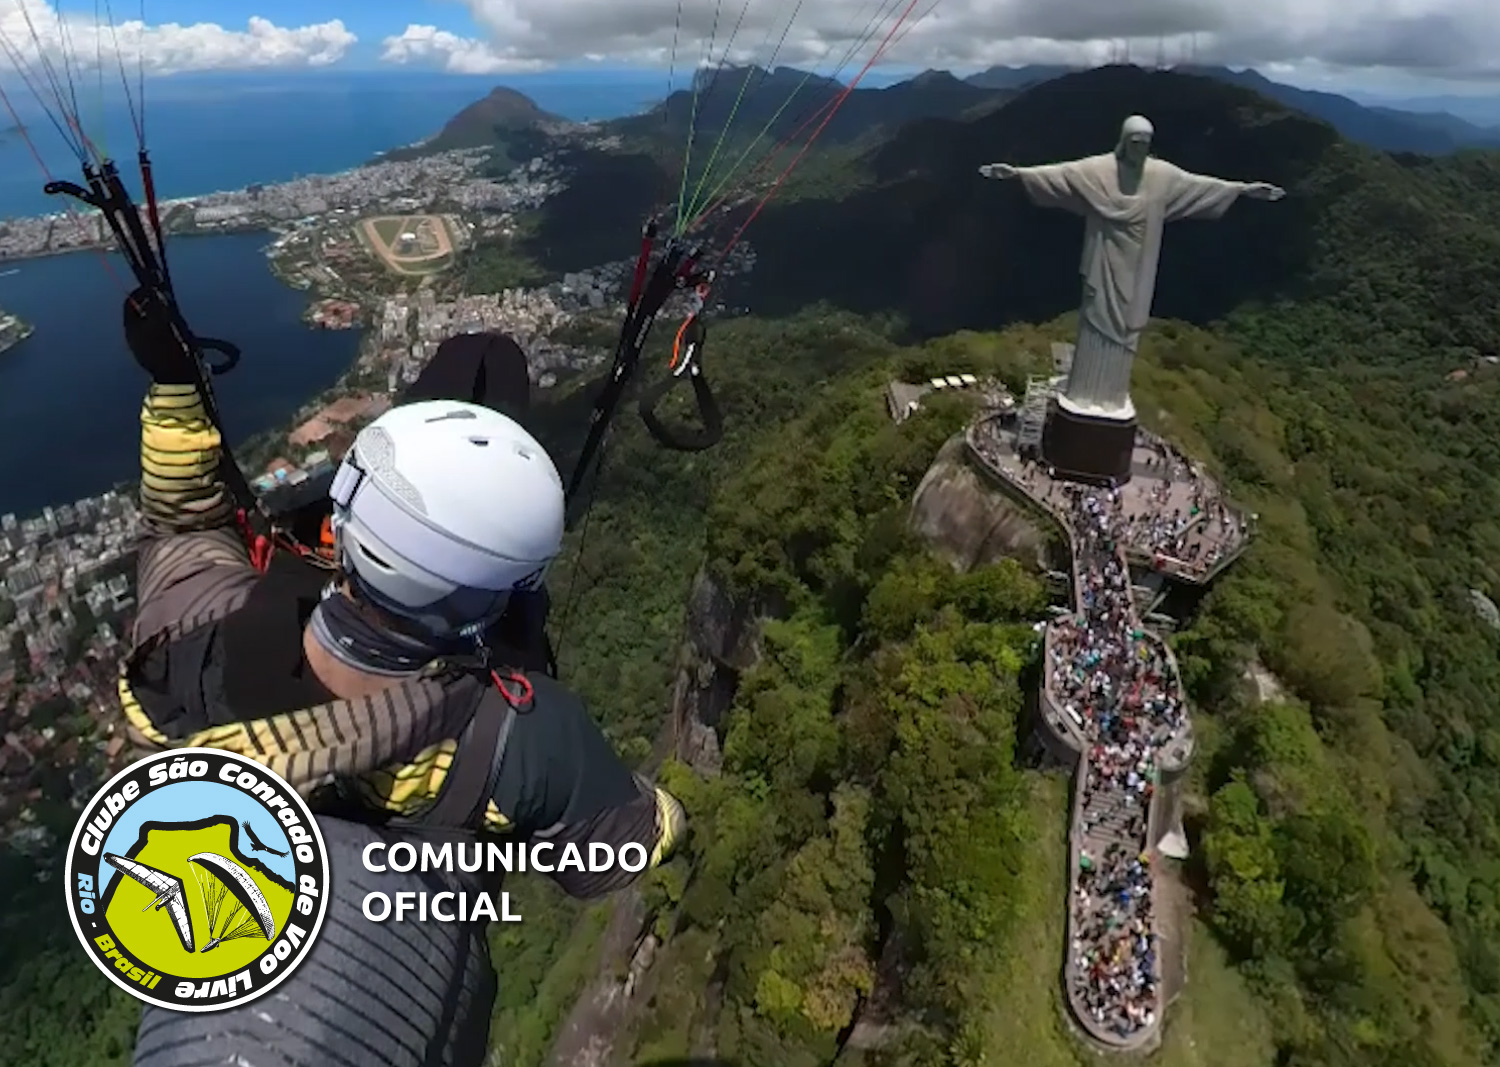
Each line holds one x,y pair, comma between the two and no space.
785,102
1386,127
959,252
503,117
768,105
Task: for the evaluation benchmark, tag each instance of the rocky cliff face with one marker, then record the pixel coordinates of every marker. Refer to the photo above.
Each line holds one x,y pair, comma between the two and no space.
722,642
969,522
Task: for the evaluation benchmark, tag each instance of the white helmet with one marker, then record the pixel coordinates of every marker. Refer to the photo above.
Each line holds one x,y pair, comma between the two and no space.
441,509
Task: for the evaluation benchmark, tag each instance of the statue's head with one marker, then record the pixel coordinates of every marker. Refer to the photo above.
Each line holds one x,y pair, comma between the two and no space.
1135,140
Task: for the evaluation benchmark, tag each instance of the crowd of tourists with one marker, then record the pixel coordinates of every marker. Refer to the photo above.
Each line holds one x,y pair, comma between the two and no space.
1115,684
1114,975
1173,514
1183,522
1114,680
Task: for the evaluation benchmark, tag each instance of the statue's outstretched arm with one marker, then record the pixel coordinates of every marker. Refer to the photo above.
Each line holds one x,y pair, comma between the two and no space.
1262,191
1069,185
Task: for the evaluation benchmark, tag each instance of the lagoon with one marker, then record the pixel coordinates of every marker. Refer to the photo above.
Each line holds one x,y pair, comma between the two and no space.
70,395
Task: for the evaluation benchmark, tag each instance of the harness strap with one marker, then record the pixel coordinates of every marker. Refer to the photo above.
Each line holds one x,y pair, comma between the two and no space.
471,779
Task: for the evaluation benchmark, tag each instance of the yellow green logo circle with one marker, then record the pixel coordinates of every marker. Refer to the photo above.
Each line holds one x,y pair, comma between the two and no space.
197,880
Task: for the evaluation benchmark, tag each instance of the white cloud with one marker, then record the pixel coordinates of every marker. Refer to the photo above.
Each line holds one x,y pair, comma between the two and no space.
458,55
36,28
1437,38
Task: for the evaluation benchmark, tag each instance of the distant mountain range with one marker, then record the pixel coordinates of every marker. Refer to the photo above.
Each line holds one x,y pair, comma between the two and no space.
773,105
784,101
1432,133
1483,111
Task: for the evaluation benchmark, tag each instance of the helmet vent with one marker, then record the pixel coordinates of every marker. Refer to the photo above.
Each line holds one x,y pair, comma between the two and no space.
364,550
378,452
482,442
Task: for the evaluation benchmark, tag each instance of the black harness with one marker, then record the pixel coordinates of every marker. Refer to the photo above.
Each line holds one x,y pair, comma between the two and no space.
518,681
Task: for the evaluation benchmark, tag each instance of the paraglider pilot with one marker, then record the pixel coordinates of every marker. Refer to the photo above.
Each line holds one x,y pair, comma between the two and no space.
395,685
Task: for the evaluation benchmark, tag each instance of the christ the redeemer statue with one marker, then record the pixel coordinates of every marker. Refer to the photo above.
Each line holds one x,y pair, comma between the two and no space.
1126,197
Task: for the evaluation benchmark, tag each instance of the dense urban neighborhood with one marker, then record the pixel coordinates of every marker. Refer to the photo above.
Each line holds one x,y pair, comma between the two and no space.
450,177
65,600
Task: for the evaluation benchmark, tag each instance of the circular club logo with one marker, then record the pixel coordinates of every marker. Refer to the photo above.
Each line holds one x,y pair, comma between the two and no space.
197,880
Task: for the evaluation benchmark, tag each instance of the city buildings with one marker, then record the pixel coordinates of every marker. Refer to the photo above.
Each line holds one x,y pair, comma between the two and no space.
66,591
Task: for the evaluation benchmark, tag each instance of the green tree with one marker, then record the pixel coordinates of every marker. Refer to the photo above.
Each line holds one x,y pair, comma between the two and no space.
1245,871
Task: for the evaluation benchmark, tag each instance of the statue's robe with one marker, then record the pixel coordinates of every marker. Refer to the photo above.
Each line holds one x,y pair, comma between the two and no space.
1121,248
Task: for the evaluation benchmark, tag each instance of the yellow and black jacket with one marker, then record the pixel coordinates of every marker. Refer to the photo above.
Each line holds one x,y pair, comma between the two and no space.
216,662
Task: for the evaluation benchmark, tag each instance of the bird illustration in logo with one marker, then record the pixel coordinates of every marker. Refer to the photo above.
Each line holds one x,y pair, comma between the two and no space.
256,844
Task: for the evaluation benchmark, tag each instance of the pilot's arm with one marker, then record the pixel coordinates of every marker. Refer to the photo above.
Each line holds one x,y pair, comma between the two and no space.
562,782
193,561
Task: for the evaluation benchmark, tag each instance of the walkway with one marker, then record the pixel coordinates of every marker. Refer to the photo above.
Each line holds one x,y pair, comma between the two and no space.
1114,688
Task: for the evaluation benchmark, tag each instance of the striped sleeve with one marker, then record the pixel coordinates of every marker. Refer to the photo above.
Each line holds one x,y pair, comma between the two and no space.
193,565
181,489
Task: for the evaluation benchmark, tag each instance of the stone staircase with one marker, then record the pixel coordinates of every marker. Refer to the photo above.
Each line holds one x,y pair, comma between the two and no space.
1104,822
1107,815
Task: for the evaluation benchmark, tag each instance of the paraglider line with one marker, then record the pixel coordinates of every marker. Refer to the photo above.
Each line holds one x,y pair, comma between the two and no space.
137,121
684,214
47,173
672,67
692,212
28,79
82,146
687,158
718,196
838,102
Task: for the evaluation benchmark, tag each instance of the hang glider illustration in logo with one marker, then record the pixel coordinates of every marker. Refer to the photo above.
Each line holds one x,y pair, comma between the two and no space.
168,892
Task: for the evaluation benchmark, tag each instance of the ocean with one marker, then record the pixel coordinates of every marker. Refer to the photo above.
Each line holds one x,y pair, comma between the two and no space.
70,395
213,132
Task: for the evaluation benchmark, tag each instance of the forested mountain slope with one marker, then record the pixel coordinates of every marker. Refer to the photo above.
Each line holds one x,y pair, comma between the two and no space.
871,802
1344,836
1358,232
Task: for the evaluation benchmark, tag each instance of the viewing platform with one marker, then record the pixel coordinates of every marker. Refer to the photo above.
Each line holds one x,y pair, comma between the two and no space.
1193,550
1175,526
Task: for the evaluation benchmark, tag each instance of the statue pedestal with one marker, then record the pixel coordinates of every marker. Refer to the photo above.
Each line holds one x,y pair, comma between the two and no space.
1087,448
